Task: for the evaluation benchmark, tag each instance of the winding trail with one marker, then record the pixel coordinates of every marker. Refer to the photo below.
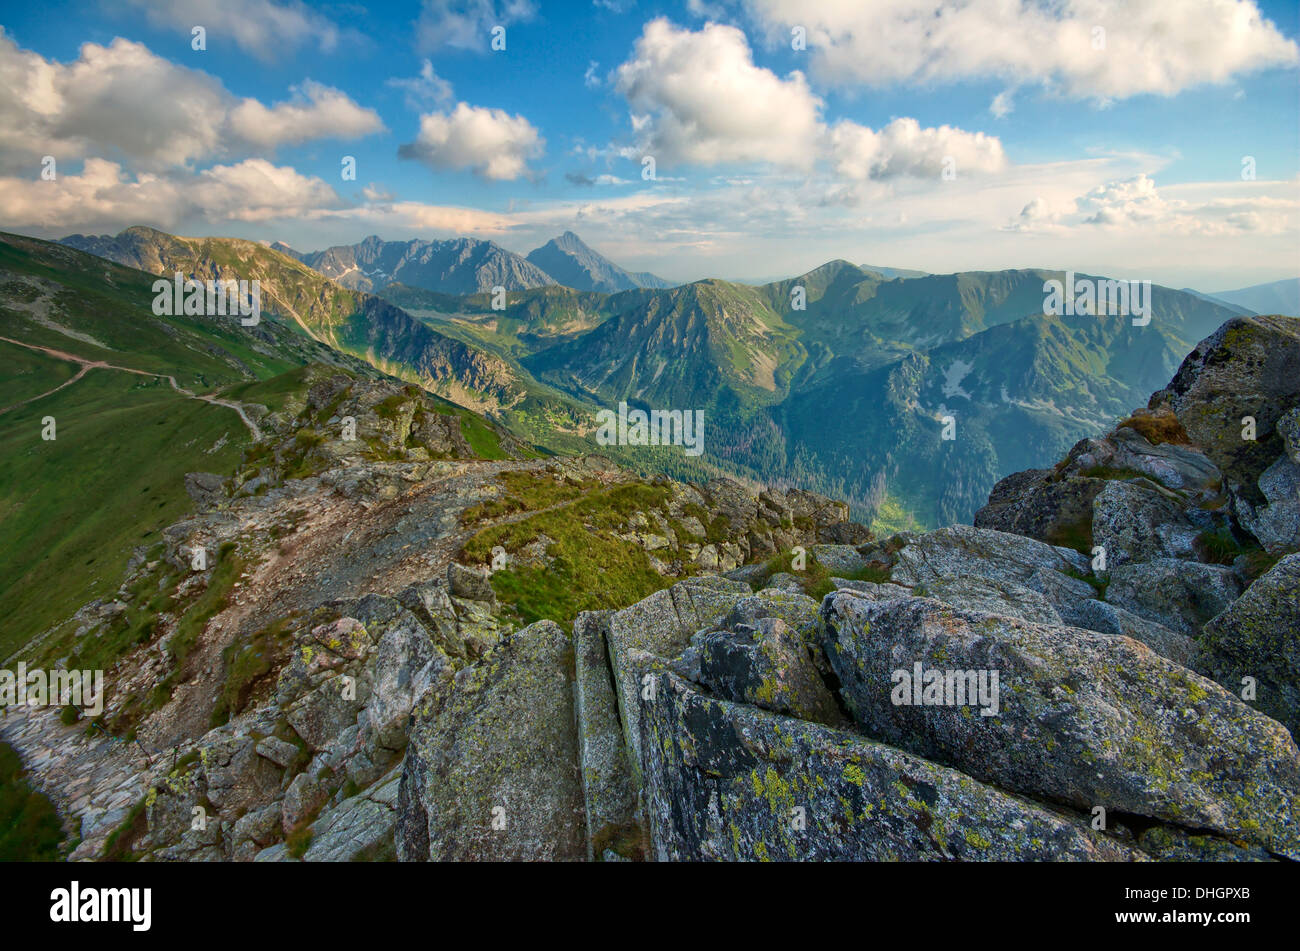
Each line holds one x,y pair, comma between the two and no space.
87,365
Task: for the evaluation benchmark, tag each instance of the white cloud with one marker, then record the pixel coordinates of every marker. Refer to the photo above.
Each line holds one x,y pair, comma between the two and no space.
467,24
1136,206
495,145
316,112
424,90
264,28
697,97
904,148
375,193
123,102
103,197
1133,201
256,190
590,79
1155,46
1002,105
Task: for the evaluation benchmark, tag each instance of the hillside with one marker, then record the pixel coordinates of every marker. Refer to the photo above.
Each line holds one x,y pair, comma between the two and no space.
347,320
138,400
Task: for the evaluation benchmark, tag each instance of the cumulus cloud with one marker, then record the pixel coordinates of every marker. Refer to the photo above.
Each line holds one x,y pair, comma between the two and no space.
104,197
264,28
494,144
467,24
1090,49
1136,206
107,103
904,148
1134,201
315,112
697,97
256,190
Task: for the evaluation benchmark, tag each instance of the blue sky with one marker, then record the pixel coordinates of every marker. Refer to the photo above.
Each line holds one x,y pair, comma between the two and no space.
1119,154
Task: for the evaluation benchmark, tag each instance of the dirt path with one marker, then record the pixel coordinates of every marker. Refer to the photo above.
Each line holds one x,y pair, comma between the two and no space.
87,365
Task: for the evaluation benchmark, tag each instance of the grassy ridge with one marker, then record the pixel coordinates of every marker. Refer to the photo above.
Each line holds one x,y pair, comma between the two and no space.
76,506
29,373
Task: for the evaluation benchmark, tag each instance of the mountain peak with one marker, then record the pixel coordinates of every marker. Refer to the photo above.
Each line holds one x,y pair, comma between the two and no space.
572,262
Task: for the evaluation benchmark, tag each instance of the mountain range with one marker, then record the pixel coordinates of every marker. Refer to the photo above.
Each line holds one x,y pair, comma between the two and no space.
469,266
896,357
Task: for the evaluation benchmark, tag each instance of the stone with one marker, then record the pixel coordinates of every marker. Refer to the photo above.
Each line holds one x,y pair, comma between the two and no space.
609,797
326,711
726,781
405,665
661,625
469,583
1135,522
783,581
278,751
1275,522
875,591
431,604
838,559
768,665
994,596
1078,717
304,797
1181,595
204,488
961,551
1108,619
1250,366
359,828
1258,636
491,769
237,778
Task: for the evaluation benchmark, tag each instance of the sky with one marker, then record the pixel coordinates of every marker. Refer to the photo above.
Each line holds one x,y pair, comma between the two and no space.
745,139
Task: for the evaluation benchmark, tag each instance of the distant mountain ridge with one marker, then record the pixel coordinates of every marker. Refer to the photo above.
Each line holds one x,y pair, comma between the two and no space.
1275,297
471,266
455,266
574,264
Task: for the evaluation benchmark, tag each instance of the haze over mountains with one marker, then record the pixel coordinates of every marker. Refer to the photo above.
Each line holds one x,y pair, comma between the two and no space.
846,396
1275,297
